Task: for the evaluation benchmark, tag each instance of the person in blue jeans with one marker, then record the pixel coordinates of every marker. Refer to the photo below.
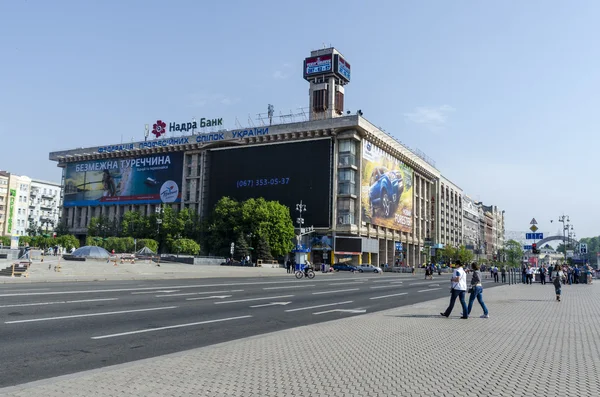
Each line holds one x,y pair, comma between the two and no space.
477,292
459,289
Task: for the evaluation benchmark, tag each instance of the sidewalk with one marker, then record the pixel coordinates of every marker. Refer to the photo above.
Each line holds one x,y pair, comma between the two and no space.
531,346
98,270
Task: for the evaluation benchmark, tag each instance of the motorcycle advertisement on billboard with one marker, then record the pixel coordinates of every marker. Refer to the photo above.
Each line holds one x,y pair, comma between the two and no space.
151,179
386,190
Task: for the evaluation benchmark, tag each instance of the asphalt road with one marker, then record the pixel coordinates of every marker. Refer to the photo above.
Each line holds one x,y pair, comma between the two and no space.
54,329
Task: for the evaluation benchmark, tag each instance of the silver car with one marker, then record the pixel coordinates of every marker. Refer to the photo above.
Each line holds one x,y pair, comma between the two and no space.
368,268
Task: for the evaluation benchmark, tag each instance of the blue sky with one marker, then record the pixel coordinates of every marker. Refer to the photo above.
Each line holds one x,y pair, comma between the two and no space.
503,95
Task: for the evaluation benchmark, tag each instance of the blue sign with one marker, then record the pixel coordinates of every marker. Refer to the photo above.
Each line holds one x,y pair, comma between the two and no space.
534,236
527,247
398,246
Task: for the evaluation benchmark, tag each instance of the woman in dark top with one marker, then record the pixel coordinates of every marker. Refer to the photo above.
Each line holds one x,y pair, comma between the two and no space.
476,291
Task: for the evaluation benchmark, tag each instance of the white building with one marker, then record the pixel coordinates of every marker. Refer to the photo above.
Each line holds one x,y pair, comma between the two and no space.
44,205
26,203
472,237
450,200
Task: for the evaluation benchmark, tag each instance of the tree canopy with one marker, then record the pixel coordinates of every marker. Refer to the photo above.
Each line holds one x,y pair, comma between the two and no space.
253,219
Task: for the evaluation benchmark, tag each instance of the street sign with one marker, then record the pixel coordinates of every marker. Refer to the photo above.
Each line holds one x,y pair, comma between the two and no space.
533,228
527,247
533,222
232,248
583,248
534,236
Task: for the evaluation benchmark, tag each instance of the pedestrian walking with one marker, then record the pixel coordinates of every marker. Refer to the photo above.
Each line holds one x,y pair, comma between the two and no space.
476,291
543,275
495,273
288,266
524,274
458,290
503,273
557,285
529,275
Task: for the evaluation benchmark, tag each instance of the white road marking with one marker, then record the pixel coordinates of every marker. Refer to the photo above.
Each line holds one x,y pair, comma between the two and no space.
343,311
155,288
155,292
388,296
59,302
200,293
384,286
272,304
396,282
291,286
209,297
421,283
318,306
433,285
255,299
29,290
430,289
170,327
89,315
350,283
333,292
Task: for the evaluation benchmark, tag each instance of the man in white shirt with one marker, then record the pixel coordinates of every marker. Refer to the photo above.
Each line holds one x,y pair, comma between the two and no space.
459,289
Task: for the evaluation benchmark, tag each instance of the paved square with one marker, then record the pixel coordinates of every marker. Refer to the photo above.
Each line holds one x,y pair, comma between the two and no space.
531,346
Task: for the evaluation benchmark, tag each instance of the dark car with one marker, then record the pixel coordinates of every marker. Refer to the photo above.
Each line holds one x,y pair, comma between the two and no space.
385,191
344,267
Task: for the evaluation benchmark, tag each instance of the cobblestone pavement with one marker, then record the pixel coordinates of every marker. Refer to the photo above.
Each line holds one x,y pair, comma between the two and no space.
530,346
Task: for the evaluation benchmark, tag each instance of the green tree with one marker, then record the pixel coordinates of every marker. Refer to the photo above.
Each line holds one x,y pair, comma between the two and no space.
449,254
464,255
514,253
147,242
33,231
5,241
135,225
102,227
263,251
223,226
23,240
272,221
61,229
185,246
241,249
67,241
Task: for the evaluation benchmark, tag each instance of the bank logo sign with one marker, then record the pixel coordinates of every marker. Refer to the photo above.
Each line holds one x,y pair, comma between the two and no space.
169,192
159,128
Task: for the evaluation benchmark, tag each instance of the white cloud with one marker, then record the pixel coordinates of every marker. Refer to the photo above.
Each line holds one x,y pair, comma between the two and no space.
432,117
280,75
201,99
283,72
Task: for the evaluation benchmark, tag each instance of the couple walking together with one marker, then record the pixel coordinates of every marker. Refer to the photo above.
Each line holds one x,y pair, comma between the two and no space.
459,290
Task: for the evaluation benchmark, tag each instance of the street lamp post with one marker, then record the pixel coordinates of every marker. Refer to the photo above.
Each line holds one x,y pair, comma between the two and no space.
300,208
564,219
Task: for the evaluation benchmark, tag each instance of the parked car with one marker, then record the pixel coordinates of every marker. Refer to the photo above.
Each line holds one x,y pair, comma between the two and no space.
385,191
368,268
344,267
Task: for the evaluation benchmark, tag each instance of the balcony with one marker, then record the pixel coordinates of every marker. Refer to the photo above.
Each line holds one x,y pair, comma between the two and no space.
46,206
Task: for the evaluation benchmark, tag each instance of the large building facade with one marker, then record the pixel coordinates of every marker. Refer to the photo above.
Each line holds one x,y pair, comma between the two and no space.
369,198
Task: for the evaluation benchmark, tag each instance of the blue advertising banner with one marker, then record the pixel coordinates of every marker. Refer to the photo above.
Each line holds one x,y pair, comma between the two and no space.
151,179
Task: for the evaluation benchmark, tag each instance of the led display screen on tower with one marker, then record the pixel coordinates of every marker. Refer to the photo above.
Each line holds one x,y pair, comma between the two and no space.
284,172
314,66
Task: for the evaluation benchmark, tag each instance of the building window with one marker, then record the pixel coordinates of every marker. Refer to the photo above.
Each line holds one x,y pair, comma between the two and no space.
188,171
345,210
347,182
347,153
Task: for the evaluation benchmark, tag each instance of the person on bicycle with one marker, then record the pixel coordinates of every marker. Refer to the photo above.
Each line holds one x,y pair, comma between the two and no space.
306,268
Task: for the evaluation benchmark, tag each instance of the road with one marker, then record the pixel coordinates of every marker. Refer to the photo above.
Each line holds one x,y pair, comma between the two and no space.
53,329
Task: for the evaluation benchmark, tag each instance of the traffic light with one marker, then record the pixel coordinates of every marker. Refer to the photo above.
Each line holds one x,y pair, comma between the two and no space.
534,248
